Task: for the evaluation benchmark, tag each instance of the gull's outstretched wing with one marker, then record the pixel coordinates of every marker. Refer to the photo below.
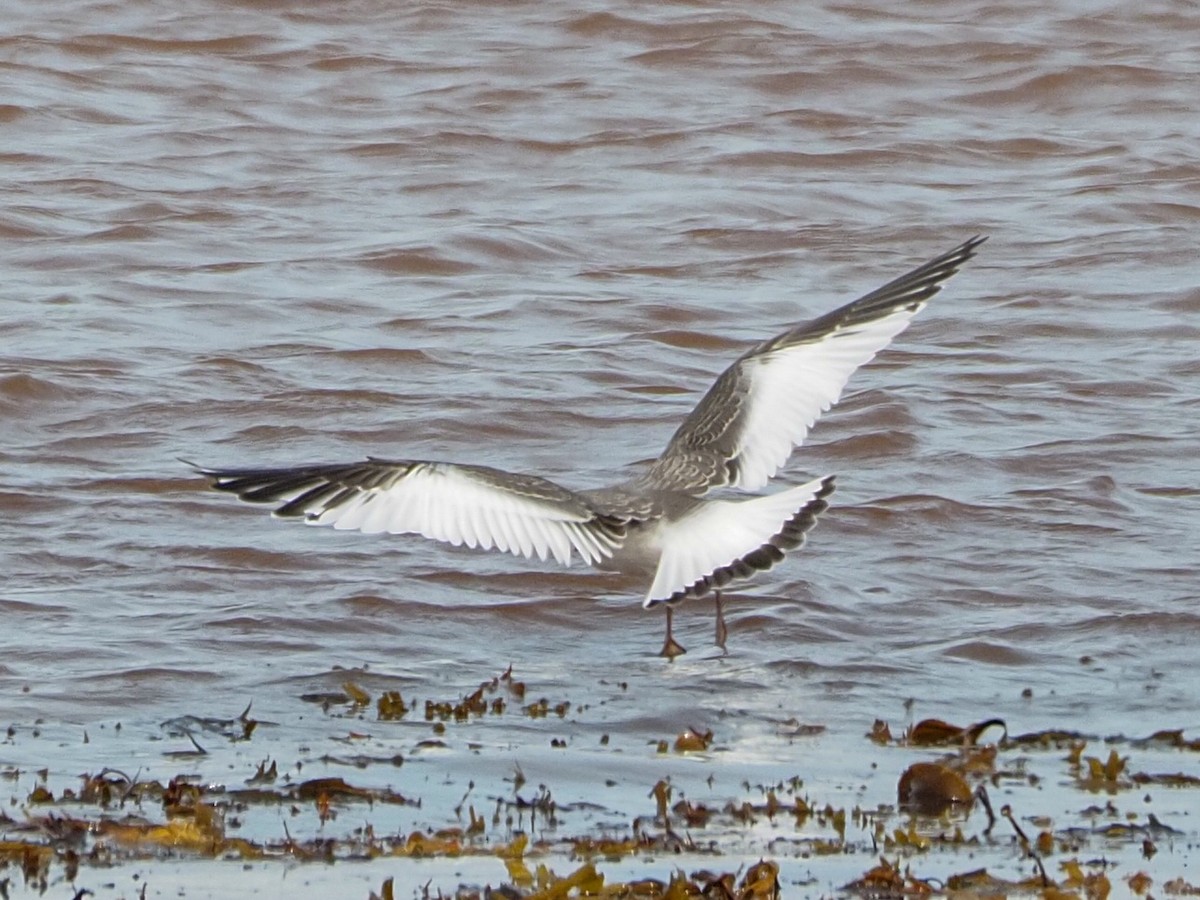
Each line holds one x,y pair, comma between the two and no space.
762,406
472,505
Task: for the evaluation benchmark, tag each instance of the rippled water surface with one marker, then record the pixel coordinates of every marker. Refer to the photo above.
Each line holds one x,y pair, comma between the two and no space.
529,235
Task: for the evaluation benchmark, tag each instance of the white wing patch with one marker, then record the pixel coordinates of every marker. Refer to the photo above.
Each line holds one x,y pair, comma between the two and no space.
717,532
790,388
444,503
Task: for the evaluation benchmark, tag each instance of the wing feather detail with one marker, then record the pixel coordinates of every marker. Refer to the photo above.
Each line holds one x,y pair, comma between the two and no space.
476,506
760,408
721,541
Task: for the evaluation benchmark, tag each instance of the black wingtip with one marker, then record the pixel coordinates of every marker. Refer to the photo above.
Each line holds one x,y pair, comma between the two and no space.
953,259
968,247
197,468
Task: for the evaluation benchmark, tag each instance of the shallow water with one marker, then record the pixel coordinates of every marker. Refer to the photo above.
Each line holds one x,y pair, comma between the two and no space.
530,236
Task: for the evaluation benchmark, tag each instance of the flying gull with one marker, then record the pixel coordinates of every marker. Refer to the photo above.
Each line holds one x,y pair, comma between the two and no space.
662,524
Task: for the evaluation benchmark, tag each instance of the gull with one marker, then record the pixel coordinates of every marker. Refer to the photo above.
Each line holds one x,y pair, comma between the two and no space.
662,525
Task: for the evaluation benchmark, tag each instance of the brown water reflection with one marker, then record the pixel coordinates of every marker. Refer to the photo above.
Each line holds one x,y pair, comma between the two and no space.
529,236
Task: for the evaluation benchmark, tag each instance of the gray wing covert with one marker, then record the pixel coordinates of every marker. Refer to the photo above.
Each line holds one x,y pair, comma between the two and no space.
762,406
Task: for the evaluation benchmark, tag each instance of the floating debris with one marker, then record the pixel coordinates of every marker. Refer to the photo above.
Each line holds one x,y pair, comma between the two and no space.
689,830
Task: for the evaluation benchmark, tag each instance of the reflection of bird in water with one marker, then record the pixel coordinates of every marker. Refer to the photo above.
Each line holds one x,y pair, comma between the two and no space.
661,524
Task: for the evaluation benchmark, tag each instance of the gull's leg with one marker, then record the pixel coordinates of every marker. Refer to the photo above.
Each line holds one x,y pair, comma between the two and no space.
671,648
722,631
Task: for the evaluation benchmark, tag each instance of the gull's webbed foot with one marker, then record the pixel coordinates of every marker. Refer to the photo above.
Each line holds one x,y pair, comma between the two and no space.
671,648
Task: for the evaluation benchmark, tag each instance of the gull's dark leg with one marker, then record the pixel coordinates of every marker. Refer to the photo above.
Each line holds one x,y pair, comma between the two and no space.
722,631
671,648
